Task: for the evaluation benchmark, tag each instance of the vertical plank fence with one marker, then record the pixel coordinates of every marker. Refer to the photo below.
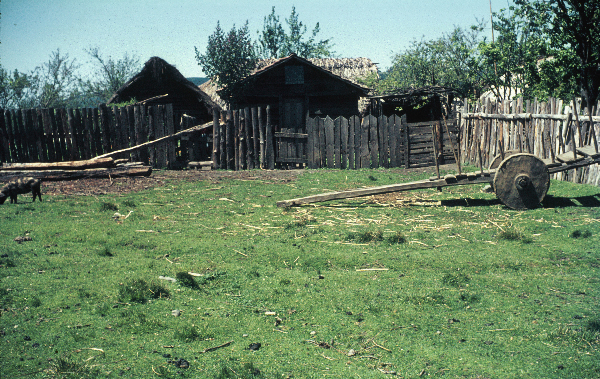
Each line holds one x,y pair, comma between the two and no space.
244,139
54,135
546,129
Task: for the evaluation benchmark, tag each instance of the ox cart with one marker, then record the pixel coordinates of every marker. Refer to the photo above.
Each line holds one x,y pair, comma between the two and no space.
520,180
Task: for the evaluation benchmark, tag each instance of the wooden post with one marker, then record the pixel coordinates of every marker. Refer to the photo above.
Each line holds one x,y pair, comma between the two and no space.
356,131
248,136
4,141
270,153
404,126
237,137
261,131
216,140
593,131
576,113
171,146
344,138
364,144
255,137
329,141
337,143
229,140
374,141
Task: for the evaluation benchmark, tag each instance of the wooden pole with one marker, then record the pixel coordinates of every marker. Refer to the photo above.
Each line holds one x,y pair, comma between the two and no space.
593,131
577,121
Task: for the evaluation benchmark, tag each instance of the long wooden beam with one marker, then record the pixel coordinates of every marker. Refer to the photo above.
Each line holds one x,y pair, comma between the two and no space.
162,139
448,180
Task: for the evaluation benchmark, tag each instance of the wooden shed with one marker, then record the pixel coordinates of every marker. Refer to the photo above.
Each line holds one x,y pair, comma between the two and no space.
161,83
295,87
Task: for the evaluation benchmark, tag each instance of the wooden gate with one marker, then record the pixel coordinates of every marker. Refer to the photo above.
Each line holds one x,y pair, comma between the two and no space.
291,139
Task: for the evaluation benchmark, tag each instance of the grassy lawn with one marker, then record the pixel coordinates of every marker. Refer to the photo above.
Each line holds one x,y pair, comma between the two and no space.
416,284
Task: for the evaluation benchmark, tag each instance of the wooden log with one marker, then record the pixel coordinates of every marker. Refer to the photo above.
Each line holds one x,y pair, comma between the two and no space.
54,175
394,130
365,157
311,143
350,147
270,153
171,143
237,136
321,143
355,125
337,143
156,141
255,137
249,144
406,141
68,165
329,141
344,141
423,184
261,132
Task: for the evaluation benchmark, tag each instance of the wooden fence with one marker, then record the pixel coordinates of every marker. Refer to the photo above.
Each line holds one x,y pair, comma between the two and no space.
246,139
55,135
545,129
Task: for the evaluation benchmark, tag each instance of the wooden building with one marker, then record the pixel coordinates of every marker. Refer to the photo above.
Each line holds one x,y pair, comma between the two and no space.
295,87
161,83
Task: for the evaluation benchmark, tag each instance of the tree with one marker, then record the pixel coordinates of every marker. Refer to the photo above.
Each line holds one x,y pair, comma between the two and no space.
54,83
272,38
511,62
14,89
275,42
228,59
450,61
576,28
110,76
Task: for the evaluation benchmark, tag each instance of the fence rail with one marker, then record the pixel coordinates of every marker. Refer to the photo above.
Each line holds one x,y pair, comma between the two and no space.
543,128
55,135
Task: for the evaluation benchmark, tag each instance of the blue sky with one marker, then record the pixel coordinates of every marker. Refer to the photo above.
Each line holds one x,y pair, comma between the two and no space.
31,30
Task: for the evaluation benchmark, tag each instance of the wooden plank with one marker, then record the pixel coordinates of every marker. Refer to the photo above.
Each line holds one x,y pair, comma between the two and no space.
4,144
229,140
170,130
423,184
39,135
270,153
329,141
382,151
310,145
249,144
344,140
337,143
392,144
261,132
215,142
355,125
291,135
406,142
365,157
237,140
322,143
351,148
255,138
29,134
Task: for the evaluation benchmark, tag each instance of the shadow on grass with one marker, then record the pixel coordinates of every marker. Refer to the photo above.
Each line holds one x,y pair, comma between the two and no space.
590,201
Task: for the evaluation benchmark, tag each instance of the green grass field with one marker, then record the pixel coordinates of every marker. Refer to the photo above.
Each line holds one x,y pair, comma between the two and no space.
414,284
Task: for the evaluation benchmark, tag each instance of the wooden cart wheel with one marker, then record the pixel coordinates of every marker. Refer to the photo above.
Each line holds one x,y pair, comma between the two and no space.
521,181
499,158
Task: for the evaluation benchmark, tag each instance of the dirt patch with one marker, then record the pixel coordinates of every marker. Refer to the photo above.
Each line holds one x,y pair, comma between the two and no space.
119,186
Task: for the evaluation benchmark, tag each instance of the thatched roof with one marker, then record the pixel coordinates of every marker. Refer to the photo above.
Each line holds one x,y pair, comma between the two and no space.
159,78
347,69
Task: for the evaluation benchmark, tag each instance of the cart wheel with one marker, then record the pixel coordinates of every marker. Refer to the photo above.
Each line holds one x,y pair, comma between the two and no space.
498,158
521,181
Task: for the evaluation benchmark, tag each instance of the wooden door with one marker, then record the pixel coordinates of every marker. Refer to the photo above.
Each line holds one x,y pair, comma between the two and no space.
291,138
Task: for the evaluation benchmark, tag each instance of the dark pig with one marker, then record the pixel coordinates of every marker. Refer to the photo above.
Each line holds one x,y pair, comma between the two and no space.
20,186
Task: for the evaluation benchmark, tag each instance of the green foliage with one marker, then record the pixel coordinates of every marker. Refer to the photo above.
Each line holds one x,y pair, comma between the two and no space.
228,59
451,60
275,42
